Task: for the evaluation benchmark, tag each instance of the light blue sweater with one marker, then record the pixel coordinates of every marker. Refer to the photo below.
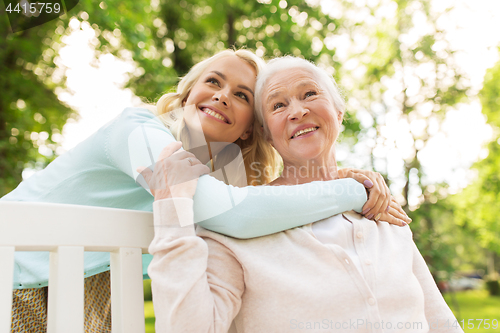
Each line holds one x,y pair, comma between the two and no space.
100,171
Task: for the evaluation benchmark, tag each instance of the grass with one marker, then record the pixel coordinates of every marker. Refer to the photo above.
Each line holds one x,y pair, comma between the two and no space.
150,316
472,304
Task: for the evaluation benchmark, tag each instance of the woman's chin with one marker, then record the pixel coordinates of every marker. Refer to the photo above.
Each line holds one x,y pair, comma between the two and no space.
306,153
214,134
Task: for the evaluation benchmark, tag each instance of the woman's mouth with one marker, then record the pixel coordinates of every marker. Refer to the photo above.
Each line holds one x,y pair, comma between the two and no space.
214,114
304,132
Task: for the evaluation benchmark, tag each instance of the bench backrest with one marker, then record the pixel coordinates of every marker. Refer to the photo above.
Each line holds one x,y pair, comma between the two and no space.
67,231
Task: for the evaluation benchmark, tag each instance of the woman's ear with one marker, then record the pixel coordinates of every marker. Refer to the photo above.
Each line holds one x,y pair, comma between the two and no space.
247,133
183,103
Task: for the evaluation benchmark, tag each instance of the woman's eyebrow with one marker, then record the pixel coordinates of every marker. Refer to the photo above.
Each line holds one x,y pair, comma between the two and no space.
239,86
273,95
300,85
220,74
308,83
246,88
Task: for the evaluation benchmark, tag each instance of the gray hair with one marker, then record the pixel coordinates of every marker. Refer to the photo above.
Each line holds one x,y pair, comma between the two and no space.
280,64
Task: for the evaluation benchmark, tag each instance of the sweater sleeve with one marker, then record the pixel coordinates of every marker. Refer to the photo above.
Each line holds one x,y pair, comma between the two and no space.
245,212
438,314
136,139
188,296
255,211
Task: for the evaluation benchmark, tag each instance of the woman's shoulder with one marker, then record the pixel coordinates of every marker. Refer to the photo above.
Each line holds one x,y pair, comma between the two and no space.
136,119
138,114
205,233
382,228
215,239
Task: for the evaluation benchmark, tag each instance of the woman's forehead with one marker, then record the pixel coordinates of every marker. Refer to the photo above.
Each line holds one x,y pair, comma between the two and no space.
287,80
293,73
227,65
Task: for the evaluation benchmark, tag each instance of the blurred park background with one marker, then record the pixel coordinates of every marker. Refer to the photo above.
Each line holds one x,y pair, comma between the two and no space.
421,79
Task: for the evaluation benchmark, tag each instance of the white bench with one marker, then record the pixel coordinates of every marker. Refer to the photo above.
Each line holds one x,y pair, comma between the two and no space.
67,231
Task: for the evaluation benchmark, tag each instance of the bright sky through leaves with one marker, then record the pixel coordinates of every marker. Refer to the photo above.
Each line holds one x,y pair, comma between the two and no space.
471,27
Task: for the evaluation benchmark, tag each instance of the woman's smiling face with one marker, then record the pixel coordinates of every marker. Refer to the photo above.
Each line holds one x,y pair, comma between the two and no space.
302,122
224,98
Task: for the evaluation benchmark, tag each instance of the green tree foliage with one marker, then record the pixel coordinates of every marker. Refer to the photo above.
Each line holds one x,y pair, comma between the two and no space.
477,206
401,73
410,74
187,31
31,115
30,112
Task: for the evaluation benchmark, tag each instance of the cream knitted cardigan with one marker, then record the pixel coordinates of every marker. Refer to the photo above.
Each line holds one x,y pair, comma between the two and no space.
289,281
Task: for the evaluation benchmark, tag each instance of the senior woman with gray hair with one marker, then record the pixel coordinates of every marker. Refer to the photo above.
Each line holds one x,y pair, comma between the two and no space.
343,273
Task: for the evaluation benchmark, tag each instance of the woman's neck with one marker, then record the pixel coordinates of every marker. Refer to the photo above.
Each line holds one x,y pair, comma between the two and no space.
207,151
308,171
199,145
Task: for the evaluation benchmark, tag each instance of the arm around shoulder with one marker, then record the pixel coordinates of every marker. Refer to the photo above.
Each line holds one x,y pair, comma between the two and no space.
256,211
136,138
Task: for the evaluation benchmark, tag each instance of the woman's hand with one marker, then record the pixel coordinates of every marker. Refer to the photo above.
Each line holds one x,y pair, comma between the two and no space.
395,215
380,204
175,174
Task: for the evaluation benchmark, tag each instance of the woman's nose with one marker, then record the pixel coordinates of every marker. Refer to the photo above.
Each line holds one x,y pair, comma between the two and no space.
222,97
297,112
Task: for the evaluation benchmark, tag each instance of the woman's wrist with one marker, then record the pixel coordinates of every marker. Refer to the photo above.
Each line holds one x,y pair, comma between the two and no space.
162,194
174,212
174,195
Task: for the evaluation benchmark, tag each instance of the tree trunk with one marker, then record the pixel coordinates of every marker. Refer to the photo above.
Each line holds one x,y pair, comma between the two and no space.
231,34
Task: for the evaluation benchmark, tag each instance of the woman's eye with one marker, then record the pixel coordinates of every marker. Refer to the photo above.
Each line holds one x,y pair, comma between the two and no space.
242,95
310,93
278,106
213,81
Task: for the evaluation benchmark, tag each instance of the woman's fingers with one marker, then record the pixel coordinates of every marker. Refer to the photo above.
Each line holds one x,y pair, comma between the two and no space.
395,213
368,184
393,220
181,155
169,150
360,178
200,169
384,198
175,168
378,192
378,199
195,161
373,194
392,217
396,206
187,187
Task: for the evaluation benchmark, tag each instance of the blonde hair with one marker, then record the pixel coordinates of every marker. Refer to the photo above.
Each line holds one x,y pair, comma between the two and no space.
262,162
